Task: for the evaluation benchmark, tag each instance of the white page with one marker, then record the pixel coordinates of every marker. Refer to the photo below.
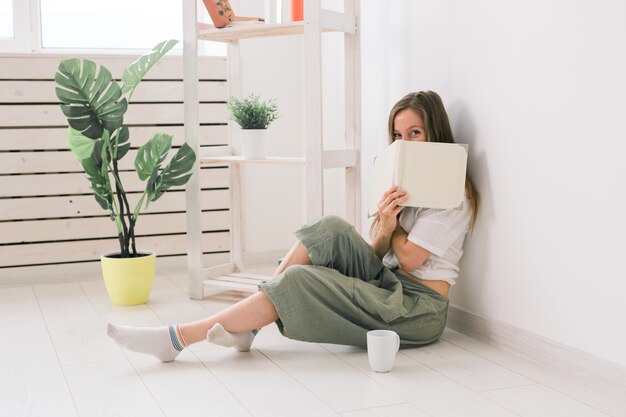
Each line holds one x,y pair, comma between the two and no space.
385,166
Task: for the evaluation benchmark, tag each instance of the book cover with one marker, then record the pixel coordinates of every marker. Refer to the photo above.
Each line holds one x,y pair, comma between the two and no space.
432,174
222,14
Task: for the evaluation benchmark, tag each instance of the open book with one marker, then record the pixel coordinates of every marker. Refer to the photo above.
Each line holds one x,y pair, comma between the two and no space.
432,174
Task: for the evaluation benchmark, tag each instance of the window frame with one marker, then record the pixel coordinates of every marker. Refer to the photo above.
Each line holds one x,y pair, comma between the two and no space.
26,28
27,35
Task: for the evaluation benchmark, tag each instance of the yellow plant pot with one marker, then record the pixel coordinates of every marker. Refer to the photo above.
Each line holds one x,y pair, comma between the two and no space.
128,280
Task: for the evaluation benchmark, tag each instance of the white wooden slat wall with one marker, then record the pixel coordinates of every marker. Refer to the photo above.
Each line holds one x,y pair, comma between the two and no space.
48,216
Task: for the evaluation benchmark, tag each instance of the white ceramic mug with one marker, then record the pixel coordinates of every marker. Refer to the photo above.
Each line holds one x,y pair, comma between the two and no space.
382,346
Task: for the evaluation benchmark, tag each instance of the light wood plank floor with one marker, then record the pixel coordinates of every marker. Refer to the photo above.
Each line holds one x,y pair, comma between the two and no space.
55,360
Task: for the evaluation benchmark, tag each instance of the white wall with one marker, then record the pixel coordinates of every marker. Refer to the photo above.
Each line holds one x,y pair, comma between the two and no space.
537,89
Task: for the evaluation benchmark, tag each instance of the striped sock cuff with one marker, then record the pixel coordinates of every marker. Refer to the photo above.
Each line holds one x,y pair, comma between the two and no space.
180,336
177,339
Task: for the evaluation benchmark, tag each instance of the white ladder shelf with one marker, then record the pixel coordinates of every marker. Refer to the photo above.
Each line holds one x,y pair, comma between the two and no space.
316,159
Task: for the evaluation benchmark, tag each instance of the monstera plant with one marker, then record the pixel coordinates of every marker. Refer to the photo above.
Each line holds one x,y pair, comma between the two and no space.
94,105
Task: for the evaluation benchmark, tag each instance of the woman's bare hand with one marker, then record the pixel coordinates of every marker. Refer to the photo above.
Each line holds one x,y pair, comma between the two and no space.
389,207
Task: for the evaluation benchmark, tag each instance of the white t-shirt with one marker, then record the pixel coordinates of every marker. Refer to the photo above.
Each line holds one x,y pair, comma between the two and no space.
442,233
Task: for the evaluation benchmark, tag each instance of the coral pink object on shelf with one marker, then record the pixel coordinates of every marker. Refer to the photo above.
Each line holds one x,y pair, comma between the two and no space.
220,11
297,10
222,14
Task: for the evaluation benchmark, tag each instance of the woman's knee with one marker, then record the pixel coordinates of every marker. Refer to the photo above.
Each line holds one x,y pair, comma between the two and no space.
334,223
297,279
294,273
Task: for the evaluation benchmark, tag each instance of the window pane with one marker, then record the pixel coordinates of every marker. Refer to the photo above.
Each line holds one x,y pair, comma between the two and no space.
6,18
120,24
114,24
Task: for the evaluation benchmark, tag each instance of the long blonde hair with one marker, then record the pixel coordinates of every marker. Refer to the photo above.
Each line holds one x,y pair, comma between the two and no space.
428,105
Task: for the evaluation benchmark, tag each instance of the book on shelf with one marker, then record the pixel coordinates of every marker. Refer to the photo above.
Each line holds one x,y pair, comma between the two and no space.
207,26
243,20
246,21
222,14
432,174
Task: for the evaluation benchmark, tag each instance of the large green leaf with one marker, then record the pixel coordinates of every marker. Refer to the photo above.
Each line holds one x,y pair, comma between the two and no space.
80,145
90,102
121,142
138,69
176,173
99,183
151,155
98,154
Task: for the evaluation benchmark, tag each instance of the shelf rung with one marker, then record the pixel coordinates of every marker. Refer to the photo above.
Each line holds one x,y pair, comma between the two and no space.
238,159
330,22
336,21
238,281
339,158
251,30
231,285
248,277
218,270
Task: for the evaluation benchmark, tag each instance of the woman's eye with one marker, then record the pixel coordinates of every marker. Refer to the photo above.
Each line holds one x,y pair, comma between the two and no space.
415,132
397,135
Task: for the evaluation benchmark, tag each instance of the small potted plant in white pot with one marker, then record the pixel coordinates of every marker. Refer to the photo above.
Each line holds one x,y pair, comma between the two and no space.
254,117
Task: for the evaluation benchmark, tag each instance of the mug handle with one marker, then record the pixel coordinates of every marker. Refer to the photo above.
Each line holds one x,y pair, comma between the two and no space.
397,342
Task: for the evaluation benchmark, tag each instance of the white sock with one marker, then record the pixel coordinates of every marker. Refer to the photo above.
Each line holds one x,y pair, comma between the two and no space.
240,341
164,343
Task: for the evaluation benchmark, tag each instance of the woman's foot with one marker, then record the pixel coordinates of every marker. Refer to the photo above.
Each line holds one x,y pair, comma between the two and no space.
164,343
240,341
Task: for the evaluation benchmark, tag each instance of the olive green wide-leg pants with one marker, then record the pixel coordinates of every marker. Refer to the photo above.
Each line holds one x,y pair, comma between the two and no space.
348,291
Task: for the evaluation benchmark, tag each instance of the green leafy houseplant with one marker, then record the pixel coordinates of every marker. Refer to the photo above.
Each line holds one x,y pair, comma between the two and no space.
94,105
251,112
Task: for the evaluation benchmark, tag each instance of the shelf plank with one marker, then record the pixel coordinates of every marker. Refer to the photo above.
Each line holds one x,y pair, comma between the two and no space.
340,158
250,30
237,159
330,22
336,21
241,281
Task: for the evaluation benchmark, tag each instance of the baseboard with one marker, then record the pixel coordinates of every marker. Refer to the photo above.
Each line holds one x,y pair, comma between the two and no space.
566,360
